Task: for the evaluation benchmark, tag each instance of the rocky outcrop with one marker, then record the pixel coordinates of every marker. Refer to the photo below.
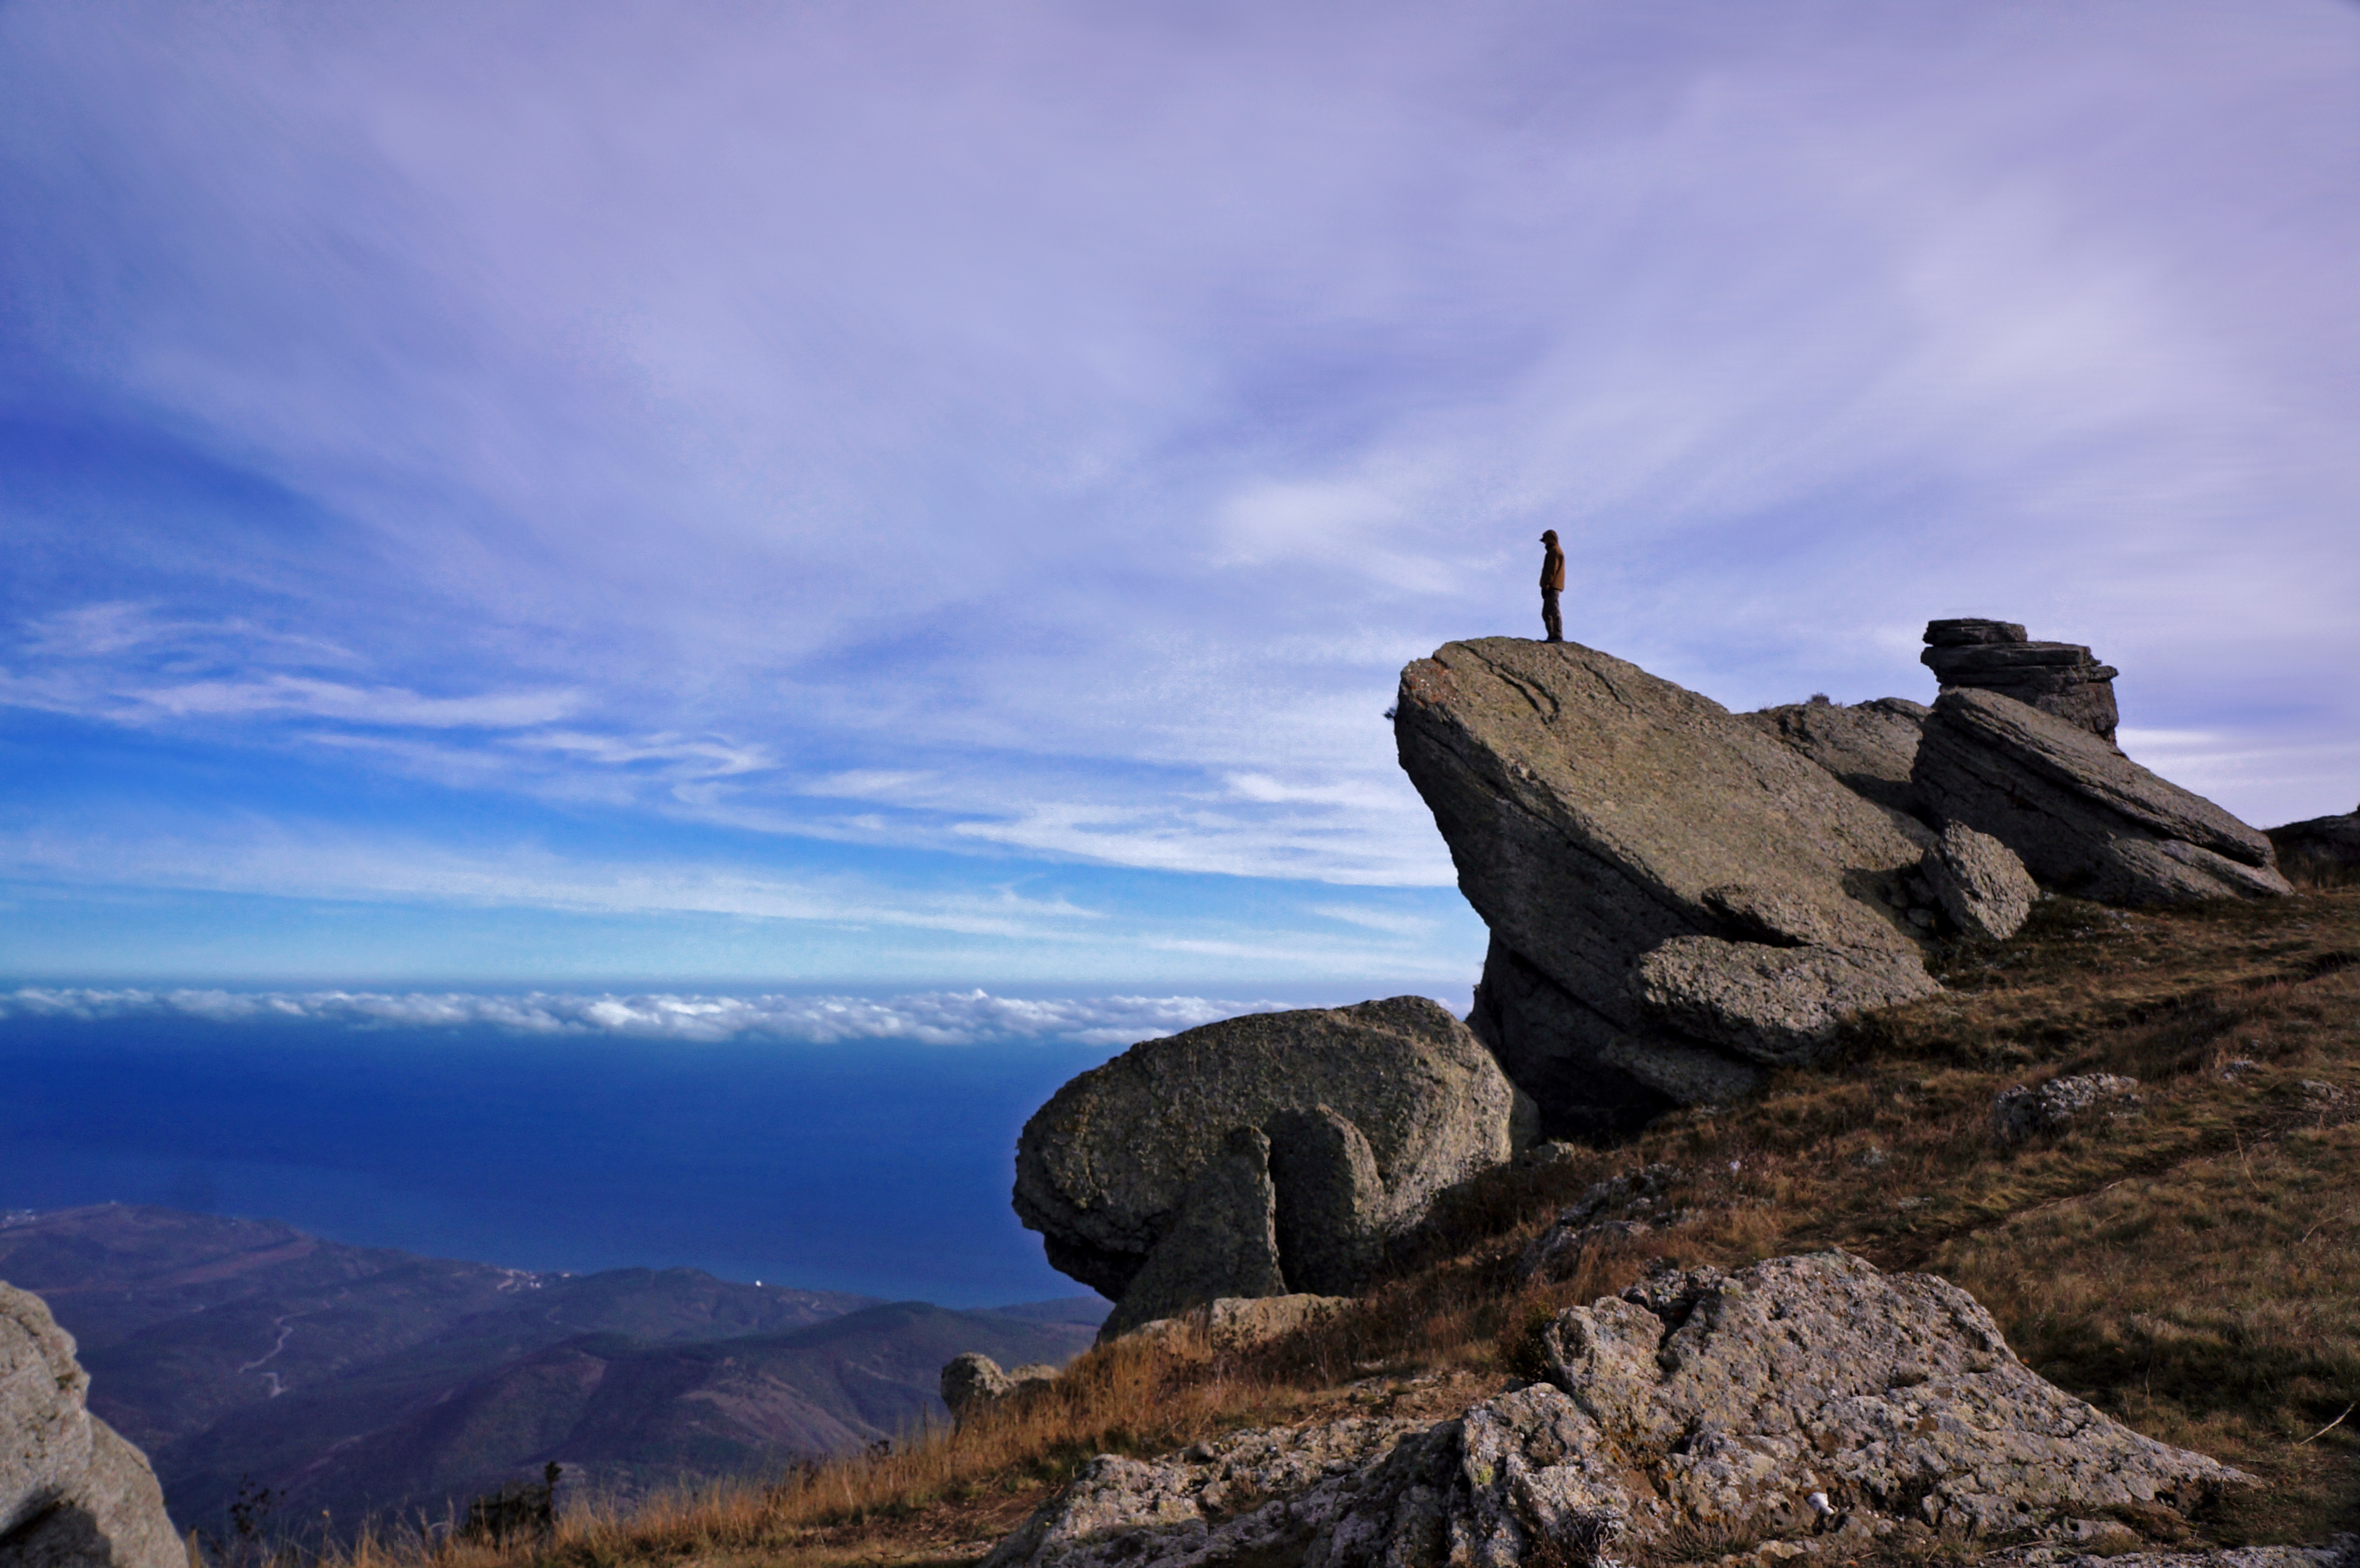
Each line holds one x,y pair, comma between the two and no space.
1870,747
2325,849
2083,818
975,1381
1676,896
1802,1398
2018,1113
72,1494
1290,1144
2059,679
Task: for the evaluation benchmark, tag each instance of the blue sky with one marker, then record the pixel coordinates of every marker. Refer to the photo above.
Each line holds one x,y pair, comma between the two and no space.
939,494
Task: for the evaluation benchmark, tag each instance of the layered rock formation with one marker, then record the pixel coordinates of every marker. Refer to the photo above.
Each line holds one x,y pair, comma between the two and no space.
2060,679
2085,819
1262,1155
1809,1398
1676,897
72,1494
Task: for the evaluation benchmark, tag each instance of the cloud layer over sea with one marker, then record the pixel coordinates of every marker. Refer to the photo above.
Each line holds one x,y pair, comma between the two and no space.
949,1019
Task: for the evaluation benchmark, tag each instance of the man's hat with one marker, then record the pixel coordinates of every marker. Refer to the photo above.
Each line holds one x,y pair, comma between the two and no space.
1548,536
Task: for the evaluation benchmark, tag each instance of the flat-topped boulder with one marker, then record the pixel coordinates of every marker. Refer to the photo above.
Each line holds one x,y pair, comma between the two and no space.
1293,1141
2083,818
2061,678
1596,814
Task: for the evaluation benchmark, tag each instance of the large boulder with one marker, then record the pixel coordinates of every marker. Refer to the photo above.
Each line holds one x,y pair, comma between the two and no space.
1365,1113
72,1494
1804,1399
1598,814
2083,818
2060,679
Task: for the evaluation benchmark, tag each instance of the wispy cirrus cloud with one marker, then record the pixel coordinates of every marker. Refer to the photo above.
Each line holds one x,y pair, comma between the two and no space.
1040,434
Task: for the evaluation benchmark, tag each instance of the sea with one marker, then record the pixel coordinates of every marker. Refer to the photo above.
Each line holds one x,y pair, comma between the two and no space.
839,1142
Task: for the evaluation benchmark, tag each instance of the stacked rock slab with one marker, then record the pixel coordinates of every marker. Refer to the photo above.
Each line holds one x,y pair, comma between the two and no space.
1260,1155
72,1494
1870,747
1804,1399
2085,819
2060,679
1676,897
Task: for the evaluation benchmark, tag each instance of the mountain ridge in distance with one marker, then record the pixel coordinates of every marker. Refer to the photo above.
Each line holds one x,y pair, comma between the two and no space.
368,1380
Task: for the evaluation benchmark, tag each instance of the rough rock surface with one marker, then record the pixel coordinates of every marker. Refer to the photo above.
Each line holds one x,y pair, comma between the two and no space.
2321,846
1331,1201
1983,889
1596,812
2019,1113
2060,679
1101,1169
1869,745
2083,818
1804,1396
1629,1204
1222,1242
1772,1005
72,1494
974,1381
1231,1324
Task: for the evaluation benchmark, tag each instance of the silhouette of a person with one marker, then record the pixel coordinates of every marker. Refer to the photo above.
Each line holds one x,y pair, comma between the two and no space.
1552,584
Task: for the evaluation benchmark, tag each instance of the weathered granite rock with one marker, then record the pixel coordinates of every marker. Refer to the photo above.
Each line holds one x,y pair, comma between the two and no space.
1223,1241
1772,1005
2083,818
1101,1168
1588,1077
1230,1325
2321,849
2019,1113
1982,888
1331,1201
2058,678
1596,812
975,1381
1871,745
1801,1398
72,1494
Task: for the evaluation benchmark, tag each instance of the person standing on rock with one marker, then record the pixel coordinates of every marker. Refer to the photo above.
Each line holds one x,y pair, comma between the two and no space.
1552,584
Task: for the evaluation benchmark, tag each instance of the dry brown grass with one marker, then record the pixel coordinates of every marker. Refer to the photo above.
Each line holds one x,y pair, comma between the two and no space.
2192,1269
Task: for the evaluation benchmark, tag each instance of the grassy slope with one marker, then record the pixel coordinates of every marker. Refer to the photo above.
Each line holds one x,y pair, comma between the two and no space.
2190,1270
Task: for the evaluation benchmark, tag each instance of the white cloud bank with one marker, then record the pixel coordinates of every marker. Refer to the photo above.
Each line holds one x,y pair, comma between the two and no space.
949,1017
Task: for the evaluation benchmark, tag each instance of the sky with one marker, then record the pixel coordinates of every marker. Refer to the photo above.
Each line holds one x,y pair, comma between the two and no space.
828,499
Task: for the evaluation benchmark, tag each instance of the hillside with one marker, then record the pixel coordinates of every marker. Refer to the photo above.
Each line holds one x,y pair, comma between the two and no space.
2188,1265
356,1379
